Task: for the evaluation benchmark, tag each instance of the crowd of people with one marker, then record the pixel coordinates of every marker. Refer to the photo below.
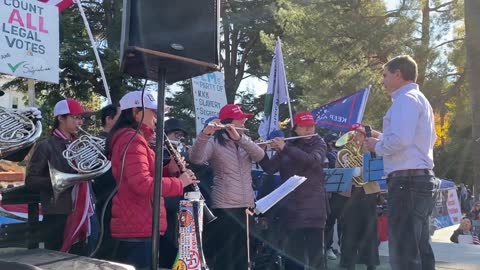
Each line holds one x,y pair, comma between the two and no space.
222,155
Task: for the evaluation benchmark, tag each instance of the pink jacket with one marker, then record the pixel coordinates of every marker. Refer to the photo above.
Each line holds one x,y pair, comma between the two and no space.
232,167
132,205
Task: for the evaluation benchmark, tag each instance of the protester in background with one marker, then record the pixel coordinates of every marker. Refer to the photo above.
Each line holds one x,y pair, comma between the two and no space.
305,210
465,228
463,193
230,153
103,186
132,205
475,213
73,207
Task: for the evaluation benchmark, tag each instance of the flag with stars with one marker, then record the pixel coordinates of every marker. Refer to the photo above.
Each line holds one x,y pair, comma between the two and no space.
276,94
340,114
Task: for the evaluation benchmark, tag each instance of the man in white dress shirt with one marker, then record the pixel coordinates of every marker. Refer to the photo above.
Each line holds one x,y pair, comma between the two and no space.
407,149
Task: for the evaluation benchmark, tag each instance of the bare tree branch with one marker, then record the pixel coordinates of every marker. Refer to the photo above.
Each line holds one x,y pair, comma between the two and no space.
437,8
447,42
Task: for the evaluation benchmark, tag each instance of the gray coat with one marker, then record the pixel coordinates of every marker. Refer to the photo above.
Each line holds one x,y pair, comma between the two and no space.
232,168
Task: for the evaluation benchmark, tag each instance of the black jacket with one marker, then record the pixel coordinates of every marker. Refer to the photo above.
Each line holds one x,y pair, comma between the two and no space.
38,176
306,206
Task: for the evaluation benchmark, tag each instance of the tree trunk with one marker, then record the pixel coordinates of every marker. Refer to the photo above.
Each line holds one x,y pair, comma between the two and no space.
472,41
423,52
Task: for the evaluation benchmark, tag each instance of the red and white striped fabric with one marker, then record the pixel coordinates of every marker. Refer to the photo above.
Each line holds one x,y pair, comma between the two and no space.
61,4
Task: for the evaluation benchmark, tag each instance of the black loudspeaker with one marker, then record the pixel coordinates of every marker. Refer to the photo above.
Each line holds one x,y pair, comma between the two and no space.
180,36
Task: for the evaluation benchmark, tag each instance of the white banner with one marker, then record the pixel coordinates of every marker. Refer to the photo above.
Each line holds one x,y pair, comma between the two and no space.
29,36
209,97
447,209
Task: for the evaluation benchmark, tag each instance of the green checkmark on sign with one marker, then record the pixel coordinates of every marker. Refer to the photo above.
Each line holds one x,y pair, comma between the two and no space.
16,66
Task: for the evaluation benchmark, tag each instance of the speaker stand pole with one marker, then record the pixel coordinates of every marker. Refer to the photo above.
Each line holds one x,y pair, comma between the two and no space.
157,187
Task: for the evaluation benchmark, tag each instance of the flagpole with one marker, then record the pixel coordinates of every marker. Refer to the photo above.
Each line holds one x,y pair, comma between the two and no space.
273,101
289,105
364,104
95,51
288,96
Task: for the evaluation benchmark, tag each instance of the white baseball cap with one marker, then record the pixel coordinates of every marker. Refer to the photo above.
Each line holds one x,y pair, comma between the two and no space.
133,99
68,106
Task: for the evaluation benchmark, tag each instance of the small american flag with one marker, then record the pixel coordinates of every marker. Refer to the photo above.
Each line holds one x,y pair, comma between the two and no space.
61,4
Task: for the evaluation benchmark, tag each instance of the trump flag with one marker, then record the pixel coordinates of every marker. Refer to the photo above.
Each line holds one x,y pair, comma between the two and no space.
340,114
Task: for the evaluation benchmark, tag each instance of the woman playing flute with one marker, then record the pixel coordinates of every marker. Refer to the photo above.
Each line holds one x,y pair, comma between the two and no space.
230,153
304,210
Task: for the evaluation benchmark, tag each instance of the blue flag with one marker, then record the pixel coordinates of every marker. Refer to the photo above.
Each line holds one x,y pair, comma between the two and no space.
340,114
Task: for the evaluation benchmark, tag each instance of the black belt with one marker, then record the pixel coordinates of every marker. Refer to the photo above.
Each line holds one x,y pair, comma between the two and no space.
411,172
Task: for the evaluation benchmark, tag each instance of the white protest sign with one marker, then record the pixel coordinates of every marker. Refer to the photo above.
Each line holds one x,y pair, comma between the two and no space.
29,36
453,206
209,97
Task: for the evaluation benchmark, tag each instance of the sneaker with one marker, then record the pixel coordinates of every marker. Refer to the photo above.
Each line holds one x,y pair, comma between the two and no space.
331,255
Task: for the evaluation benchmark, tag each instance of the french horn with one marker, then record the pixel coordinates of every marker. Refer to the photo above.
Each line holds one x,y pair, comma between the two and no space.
17,131
350,156
86,156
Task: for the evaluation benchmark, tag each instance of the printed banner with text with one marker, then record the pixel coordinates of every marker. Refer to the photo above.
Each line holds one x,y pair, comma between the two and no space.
447,210
340,114
208,96
30,40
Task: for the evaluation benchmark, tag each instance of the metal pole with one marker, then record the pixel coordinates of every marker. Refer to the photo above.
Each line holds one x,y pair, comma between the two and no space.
95,51
157,187
31,92
286,85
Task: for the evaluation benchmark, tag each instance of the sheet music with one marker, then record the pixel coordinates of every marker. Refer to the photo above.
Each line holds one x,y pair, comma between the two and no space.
264,204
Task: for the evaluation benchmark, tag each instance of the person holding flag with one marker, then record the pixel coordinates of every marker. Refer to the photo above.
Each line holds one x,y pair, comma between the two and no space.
305,209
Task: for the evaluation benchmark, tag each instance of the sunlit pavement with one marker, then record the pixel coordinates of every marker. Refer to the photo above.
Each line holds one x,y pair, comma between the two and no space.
448,255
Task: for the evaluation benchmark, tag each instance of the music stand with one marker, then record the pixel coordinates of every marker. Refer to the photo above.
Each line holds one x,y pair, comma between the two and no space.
372,168
338,179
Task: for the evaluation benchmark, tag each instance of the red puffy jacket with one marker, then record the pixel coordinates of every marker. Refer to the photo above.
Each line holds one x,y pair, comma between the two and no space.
133,203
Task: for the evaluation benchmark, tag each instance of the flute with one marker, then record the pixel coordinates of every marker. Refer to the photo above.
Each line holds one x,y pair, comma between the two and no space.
218,125
287,139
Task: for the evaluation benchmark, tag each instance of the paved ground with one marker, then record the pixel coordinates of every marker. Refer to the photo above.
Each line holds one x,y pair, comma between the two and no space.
448,255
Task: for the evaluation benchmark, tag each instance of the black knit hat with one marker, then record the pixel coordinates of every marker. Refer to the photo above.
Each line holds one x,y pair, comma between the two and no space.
173,124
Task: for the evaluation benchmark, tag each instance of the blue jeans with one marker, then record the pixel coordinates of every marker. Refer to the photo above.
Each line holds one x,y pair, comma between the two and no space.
410,204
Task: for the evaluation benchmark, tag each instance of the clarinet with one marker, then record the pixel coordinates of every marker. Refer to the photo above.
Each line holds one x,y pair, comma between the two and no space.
209,216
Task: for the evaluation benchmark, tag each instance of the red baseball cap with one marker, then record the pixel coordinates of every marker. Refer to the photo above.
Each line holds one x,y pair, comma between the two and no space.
303,119
68,106
232,111
355,126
